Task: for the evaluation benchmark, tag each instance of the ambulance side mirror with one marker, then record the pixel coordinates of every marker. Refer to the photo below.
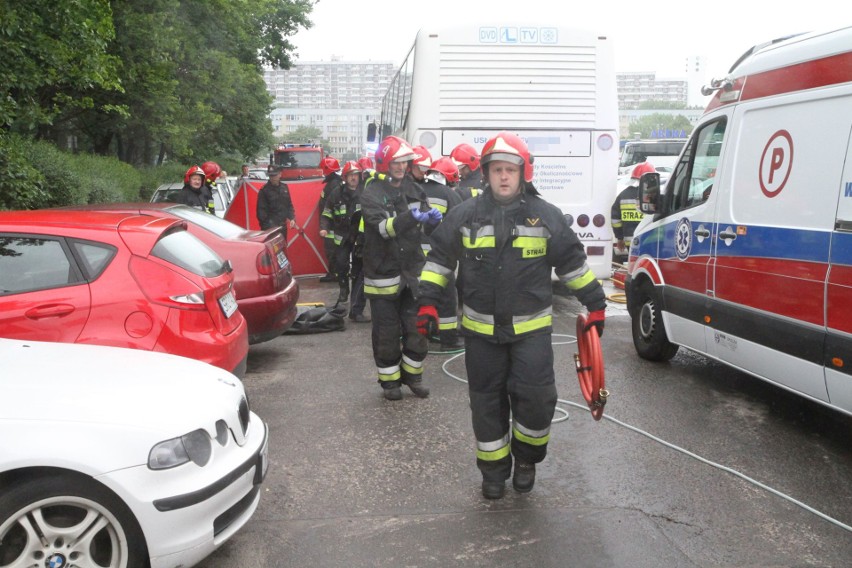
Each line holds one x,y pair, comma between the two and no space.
649,193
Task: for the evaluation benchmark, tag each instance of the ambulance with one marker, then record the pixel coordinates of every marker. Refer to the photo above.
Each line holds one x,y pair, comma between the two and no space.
745,256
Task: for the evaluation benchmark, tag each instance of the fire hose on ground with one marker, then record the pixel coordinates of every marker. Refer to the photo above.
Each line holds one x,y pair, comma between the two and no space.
590,372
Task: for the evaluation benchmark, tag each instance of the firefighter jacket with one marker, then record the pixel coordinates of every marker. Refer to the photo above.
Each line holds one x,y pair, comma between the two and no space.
625,214
201,198
274,205
506,254
330,181
392,254
340,207
471,186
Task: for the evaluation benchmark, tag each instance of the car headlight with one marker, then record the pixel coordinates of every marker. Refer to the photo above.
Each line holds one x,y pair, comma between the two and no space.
195,447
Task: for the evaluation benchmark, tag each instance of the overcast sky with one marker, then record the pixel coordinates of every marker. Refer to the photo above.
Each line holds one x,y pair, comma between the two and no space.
655,35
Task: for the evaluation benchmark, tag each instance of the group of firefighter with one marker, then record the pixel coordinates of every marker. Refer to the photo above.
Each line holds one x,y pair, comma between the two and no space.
428,238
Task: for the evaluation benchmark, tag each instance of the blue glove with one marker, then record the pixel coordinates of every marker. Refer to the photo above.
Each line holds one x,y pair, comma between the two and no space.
434,216
419,216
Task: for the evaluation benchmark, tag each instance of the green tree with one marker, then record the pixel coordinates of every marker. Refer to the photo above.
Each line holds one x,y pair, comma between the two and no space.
660,121
192,72
54,59
306,135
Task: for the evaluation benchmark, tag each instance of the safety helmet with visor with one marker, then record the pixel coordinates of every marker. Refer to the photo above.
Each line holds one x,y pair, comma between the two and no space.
508,147
393,149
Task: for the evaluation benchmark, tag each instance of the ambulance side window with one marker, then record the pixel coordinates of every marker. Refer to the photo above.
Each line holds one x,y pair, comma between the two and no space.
693,177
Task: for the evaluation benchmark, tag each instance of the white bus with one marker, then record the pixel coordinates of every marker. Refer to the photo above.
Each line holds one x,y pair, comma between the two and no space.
555,87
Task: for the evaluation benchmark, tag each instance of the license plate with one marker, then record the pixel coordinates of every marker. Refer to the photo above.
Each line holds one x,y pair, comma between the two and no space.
262,463
228,304
282,259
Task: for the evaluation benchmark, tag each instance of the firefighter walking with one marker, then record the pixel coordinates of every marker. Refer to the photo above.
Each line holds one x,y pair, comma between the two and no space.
507,242
393,209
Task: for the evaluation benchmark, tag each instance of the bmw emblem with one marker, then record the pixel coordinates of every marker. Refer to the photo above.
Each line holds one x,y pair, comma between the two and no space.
683,238
55,560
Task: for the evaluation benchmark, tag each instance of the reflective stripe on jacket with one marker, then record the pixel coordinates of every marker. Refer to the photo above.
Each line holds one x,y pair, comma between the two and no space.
506,255
392,254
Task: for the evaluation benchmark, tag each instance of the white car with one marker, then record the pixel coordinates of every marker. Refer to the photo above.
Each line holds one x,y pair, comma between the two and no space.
119,457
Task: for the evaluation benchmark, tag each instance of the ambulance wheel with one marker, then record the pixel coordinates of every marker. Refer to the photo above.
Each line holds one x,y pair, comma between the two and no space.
649,332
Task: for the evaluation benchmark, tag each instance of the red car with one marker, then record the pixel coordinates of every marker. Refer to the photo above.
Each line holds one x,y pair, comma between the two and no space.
264,285
118,279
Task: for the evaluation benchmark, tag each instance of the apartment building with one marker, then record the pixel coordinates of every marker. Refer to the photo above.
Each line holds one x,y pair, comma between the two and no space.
338,97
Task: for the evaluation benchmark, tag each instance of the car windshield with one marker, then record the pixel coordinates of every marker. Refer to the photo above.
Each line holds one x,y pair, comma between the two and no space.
182,249
298,159
217,226
165,195
172,195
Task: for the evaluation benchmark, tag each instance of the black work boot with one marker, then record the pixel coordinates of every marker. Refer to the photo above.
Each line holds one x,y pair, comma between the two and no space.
524,477
417,387
392,393
493,489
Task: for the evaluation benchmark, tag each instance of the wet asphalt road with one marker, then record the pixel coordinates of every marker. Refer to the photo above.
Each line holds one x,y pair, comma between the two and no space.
358,481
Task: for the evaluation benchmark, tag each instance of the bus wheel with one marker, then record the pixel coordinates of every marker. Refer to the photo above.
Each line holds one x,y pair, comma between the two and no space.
649,333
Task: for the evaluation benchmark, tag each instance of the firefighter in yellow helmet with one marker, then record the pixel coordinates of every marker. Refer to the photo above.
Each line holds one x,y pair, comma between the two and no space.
507,242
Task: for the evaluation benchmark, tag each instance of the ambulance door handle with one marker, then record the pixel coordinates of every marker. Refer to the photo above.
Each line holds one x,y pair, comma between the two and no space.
728,236
701,232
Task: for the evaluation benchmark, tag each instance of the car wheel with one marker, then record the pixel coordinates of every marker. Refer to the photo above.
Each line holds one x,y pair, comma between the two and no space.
65,521
649,332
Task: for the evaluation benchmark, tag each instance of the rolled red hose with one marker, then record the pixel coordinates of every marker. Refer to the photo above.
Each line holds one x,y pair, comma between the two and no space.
590,367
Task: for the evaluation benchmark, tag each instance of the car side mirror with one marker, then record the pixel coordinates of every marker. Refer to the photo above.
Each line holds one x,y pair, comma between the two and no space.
649,193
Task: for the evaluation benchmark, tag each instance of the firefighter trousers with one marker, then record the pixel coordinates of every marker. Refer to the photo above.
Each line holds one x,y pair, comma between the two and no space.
330,249
398,361
447,309
357,300
510,380
341,264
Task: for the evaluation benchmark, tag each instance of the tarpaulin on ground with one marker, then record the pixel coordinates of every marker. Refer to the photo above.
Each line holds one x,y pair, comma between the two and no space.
304,245
318,320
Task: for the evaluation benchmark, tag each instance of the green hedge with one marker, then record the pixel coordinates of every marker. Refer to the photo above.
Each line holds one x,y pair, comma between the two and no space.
21,184
36,174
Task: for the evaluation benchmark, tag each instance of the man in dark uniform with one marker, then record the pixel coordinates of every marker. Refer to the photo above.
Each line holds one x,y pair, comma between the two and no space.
331,179
340,206
508,241
467,159
625,214
439,182
274,205
393,209
195,192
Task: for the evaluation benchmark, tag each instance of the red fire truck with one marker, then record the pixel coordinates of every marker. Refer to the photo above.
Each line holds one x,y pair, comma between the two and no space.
299,161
